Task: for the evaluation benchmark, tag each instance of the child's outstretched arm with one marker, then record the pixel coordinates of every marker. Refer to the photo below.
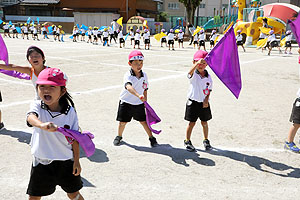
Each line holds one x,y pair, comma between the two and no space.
134,92
76,154
33,120
12,67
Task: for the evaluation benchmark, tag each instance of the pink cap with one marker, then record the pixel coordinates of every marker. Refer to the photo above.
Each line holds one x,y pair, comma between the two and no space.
200,54
136,55
52,76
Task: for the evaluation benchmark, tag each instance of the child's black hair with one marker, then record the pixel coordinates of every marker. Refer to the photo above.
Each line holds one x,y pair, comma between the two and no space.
66,99
34,48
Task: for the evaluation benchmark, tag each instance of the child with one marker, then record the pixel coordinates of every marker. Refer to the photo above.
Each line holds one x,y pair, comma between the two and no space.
1,123
198,99
164,38
295,119
35,33
121,39
44,31
54,28
82,34
212,39
239,40
95,32
131,33
288,43
25,29
202,40
36,58
54,160
137,38
58,31
74,33
89,33
6,29
14,31
195,42
111,35
105,37
180,38
147,39
171,39
132,97
272,42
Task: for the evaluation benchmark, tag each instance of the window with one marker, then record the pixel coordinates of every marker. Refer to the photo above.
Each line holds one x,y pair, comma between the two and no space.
224,5
202,5
173,6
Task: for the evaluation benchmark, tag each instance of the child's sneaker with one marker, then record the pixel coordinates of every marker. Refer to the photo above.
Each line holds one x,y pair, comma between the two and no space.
153,141
207,145
292,147
1,125
117,140
188,145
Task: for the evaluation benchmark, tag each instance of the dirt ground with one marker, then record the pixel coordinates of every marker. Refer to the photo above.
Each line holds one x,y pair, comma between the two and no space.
248,160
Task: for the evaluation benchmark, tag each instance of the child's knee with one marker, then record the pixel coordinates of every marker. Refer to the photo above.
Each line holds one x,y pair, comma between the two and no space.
122,123
204,124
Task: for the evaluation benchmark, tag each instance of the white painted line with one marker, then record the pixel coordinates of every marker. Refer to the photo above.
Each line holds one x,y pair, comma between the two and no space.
258,150
16,103
14,82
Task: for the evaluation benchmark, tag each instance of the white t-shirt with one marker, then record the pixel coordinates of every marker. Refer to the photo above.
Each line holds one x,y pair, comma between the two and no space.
6,26
200,86
146,35
131,33
171,36
105,34
140,85
25,29
120,35
196,38
289,38
47,146
213,37
239,38
89,32
272,38
180,35
202,36
34,31
137,36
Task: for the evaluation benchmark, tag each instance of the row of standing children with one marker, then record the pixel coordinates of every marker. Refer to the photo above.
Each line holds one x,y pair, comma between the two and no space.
171,37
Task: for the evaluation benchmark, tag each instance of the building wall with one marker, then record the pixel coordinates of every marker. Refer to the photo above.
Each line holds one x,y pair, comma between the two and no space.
173,8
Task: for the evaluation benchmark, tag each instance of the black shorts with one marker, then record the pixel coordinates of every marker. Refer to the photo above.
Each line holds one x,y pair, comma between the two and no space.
212,42
82,34
99,35
44,178
95,37
44,32
195,42
105,39
37,34
295,115
77,34
54,32
74,35
90,37
136,42
274,44
121,40
15,31
288,44
127,111
195,110
132,39
147,41
0,97
26,33
201,43
239,43
6,30
180,40
170,41
163,40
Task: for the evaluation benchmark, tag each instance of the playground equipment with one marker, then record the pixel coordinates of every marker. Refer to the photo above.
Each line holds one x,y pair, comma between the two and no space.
136,22
250,21
180,24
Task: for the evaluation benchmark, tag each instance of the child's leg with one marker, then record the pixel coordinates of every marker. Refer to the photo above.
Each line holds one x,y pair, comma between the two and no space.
75,196
34,198
0,116
292,132
121,128
145,126
189,130
205,129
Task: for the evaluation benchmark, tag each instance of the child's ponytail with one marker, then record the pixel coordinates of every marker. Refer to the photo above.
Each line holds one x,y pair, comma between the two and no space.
66,99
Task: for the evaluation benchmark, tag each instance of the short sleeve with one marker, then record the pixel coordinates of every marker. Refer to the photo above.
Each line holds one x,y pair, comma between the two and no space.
127,79
74,118
210,87
146,80
35,107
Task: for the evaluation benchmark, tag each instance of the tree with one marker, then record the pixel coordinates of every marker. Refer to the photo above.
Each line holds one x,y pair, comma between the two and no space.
190,6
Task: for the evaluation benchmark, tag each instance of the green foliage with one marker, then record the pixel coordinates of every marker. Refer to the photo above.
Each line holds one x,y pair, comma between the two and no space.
190,3
162,17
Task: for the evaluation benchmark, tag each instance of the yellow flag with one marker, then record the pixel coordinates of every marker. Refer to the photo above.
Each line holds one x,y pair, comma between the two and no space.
216,39
262,43
282,42
230,25
198,29
145,24
158,36
119,21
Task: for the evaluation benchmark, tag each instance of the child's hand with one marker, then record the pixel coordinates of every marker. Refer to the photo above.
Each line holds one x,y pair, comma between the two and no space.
205,104
142,98
299,51
48,126
76,168
201,62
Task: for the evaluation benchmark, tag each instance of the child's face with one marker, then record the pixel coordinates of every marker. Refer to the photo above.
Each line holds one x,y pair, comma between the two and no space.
50,94
36,59
201,65
136,65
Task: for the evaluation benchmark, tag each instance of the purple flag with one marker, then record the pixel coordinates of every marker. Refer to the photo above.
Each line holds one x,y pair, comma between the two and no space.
224,61
3,51
84,139
295,26
15,74
151,118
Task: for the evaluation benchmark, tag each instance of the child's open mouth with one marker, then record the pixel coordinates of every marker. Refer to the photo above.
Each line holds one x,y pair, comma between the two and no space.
47,97
35,62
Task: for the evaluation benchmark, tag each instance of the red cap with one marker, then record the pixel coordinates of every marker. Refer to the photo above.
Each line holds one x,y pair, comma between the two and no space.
136,55
52,76
200,54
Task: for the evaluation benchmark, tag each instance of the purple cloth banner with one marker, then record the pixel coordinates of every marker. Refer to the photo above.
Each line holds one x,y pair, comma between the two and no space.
3,51
84,139
15,74
295,26
151,118
224,61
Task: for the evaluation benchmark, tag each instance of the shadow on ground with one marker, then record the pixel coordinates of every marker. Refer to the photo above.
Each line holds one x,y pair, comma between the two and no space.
179,156
257,162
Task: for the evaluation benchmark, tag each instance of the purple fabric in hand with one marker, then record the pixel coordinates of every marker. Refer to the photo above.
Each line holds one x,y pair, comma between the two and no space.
151,118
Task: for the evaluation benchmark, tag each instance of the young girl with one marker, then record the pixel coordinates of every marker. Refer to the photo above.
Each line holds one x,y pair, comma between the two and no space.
121,39
132,97
164,38
147,39
171,39
137,38
105,37
36,58
295,119
54,160
197,105
288,43
202,40
180,38
89,32
239,40
196,43
131,33
74,33
212,39
44,31
273,42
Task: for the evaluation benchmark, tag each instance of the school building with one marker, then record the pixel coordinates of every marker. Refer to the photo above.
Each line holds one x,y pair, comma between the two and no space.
70,12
